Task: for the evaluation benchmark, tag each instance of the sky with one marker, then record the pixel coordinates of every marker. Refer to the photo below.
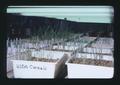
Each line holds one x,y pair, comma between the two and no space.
95,14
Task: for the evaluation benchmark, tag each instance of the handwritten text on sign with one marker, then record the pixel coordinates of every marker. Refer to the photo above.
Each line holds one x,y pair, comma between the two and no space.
23,66
33,69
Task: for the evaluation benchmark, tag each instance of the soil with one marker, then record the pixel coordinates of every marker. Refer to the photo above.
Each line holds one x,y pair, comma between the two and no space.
44,59
92,62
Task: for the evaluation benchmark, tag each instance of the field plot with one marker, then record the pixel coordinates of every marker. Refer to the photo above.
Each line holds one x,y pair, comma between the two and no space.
60,42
